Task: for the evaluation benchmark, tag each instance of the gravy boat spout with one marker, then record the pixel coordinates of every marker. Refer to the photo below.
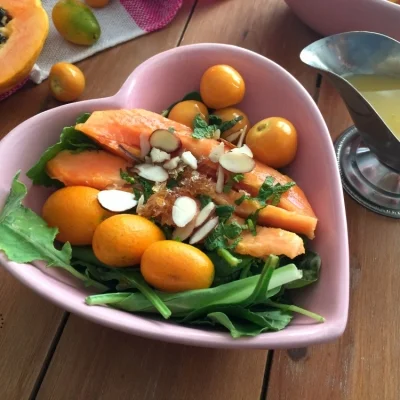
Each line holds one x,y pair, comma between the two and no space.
341,56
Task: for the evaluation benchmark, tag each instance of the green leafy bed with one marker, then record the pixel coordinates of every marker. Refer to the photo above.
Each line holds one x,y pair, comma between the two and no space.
248,295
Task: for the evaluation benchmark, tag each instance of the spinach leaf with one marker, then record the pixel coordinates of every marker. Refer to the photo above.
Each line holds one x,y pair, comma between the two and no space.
310,264
224,270
189,96
70,139
183,303
25,237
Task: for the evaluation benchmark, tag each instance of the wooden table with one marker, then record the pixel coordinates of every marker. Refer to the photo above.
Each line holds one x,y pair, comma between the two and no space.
48,354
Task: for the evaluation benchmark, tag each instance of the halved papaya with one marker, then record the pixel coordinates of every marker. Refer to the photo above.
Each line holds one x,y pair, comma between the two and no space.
24,27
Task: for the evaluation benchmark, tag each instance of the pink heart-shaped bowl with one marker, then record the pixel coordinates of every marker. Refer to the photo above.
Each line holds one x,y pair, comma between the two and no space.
161,80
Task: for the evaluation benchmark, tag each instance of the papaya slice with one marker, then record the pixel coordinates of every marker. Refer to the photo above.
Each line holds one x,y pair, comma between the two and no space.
97,169
270,216
123,127
24,27
270,241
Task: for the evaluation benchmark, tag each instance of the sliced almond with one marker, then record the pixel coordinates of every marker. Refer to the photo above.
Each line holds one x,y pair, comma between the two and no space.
182,233
237,163
217,134
233,136
144,145
165,140
159,156
184,210
217,152
116,200
153,173
244,149
204,214
189,159
204,231
140,203
242,136
219,187
172,164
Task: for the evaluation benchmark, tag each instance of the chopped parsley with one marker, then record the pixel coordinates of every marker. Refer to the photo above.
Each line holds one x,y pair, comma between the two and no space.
146,186
171,129
126,177
268,192
201,130
204,200
224,212
233,178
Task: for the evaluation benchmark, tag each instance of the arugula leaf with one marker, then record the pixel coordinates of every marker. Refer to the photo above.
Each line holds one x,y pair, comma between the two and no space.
201,130
233,178
70,139
204,200
189,96
25,237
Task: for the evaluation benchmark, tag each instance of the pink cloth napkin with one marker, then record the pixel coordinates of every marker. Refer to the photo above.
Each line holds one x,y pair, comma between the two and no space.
120,21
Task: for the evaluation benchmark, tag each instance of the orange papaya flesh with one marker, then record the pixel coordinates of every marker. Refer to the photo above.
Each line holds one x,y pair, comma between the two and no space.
269,241
123,127
97,169
271,215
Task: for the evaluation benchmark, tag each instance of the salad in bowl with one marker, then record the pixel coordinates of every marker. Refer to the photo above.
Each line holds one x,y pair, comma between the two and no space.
198,218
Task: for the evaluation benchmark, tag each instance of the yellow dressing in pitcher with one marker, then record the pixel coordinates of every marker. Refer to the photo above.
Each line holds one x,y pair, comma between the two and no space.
383,93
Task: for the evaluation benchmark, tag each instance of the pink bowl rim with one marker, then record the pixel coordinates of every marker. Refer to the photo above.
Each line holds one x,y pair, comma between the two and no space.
302,336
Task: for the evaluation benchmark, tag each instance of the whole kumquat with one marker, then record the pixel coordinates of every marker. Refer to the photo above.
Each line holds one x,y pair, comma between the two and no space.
76,212
221,86
173,266
121,240
67,81
273,141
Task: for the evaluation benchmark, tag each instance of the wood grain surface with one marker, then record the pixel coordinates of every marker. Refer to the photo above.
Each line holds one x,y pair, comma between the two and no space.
363,364
39,358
